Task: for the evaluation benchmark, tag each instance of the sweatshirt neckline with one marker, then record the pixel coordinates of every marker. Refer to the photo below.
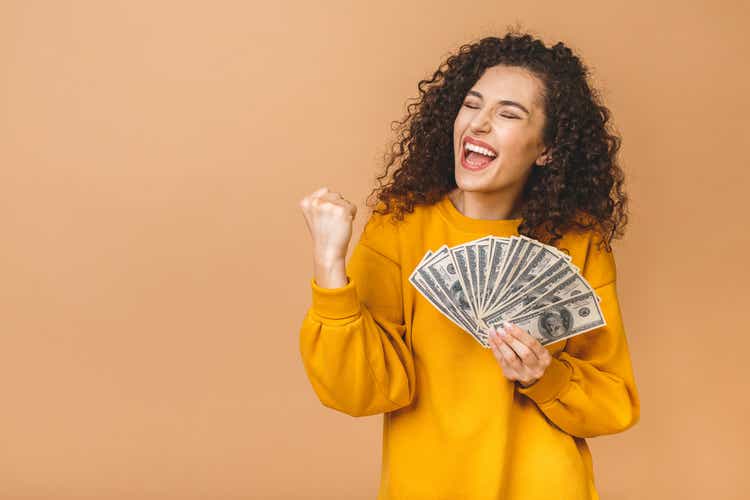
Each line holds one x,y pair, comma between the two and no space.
454,217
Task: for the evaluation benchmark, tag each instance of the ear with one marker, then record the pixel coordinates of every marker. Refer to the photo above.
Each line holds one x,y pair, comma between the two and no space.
544,158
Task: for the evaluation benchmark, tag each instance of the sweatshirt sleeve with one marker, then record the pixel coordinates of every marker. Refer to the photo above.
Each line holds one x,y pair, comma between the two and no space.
352,337
589,388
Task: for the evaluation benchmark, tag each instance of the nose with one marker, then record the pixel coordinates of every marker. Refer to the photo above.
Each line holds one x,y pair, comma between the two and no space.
480,121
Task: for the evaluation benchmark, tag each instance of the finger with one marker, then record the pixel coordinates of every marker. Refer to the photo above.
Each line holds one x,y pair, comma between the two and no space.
330,196
493,336
319,192
348,207
521,334
306,201
321,198
496,352
490,337
489,331
334,194
338,199
328,201
514,367
508,371
524,354
493,340
347,203
533,343
494,331
521,342
510,356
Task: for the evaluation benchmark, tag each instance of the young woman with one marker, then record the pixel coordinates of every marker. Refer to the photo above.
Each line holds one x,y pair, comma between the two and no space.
462,421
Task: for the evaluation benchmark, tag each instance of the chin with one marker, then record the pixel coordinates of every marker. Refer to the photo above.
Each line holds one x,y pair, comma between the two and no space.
468,182
494,179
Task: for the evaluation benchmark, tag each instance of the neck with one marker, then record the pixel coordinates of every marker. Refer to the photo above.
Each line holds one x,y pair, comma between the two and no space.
487,206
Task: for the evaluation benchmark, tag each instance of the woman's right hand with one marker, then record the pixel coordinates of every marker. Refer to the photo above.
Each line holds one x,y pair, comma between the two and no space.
329,218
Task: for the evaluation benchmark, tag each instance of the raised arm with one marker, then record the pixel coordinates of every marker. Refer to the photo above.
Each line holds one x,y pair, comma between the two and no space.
352,337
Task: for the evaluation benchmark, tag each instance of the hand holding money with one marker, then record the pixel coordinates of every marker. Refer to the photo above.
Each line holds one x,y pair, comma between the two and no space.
329,219
521,356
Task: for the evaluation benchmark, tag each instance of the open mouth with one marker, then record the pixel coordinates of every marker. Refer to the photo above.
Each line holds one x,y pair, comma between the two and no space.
476,157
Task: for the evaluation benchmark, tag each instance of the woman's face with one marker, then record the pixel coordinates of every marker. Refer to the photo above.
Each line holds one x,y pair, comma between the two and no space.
513,131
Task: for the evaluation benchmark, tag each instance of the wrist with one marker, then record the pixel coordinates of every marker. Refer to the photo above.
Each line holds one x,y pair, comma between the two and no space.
330,274
328,261
329,258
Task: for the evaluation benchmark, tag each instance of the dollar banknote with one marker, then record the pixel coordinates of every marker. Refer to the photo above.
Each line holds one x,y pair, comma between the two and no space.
483,282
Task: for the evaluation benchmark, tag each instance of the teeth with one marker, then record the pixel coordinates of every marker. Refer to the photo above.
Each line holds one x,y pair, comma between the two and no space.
480,150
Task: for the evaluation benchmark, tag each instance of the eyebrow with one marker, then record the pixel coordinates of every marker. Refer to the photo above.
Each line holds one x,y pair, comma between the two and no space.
501,101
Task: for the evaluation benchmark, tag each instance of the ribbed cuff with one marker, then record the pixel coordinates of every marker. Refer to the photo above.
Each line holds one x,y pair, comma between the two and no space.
556,377
335,303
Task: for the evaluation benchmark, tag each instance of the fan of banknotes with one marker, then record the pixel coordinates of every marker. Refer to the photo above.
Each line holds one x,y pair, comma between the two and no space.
483,282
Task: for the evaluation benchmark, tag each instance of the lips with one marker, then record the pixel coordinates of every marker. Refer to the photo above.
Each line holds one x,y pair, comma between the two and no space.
478,142
476,166
465,163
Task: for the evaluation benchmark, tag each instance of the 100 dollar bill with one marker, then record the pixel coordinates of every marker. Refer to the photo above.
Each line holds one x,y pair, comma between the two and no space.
569,317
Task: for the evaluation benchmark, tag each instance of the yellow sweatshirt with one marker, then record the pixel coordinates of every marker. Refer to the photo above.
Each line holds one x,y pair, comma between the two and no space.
453,426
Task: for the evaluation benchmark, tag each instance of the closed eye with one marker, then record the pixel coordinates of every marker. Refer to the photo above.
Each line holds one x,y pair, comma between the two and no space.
504,115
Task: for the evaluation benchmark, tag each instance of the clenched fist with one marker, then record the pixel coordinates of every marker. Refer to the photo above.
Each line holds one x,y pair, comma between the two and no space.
329,218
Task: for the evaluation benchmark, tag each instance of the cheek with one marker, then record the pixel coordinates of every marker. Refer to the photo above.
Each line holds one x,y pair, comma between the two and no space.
458,127
518,152
513,140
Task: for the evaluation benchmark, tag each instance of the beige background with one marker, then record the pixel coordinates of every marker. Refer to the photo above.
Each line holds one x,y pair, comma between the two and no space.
155,264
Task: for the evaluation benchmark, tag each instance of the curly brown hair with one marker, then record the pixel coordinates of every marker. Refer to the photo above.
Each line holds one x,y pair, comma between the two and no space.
580,188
